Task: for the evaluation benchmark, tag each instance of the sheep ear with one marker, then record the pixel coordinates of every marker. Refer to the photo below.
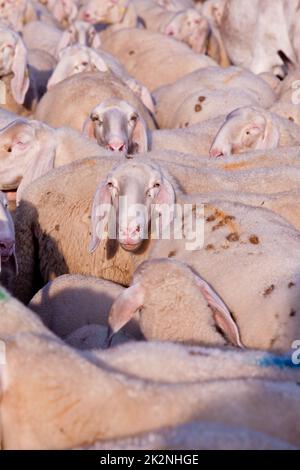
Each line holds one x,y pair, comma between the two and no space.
221,313
124,308
20,83
147,99
98,62
166,193
64,41
100,216
96,43
271,135
88,128
140,136
42,164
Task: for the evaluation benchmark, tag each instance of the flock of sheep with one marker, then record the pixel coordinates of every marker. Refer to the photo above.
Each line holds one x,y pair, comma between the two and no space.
136,341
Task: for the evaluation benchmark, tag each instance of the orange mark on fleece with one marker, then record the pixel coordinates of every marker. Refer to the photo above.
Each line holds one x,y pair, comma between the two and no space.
235,166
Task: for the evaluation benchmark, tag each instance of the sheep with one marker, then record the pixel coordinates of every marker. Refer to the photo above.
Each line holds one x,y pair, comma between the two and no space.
53,39
8,260
254,42
152,58
71,303
115,15
166,362
251,128
30,149
20,86
64,11
187,25
233,231
194,97
167,313
195,435
70,102
78,59
75,400
81,387
117,126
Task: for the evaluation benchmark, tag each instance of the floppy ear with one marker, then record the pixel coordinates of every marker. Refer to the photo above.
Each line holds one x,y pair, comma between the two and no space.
147,99
96,43
65,41
88,128
63,70
166,193
123,309
221,313
271,135
139,138
100,216
98,62
42,164
20,83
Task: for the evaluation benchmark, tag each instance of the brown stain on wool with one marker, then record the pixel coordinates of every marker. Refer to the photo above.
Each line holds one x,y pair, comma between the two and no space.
235,166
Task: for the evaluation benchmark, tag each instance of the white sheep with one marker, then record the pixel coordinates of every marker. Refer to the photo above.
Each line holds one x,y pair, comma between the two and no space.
233,231
201,95
30,149
70,102
71,303
167,312
152,58
78,59
53,39
70,388
267,28
250,128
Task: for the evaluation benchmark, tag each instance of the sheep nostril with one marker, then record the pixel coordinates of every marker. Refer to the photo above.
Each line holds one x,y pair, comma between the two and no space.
121,148
215,153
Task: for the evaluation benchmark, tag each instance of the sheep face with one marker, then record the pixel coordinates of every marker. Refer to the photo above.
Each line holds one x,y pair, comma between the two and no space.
245,129
106,11
119,127
133,190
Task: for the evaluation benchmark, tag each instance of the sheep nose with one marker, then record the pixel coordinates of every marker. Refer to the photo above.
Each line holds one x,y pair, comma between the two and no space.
130,234
116,146
6,247
86,16
216,153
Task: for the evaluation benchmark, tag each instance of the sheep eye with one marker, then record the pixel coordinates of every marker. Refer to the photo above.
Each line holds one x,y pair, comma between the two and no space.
9,149
94,117
110,184
248,132
85,64
133,118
